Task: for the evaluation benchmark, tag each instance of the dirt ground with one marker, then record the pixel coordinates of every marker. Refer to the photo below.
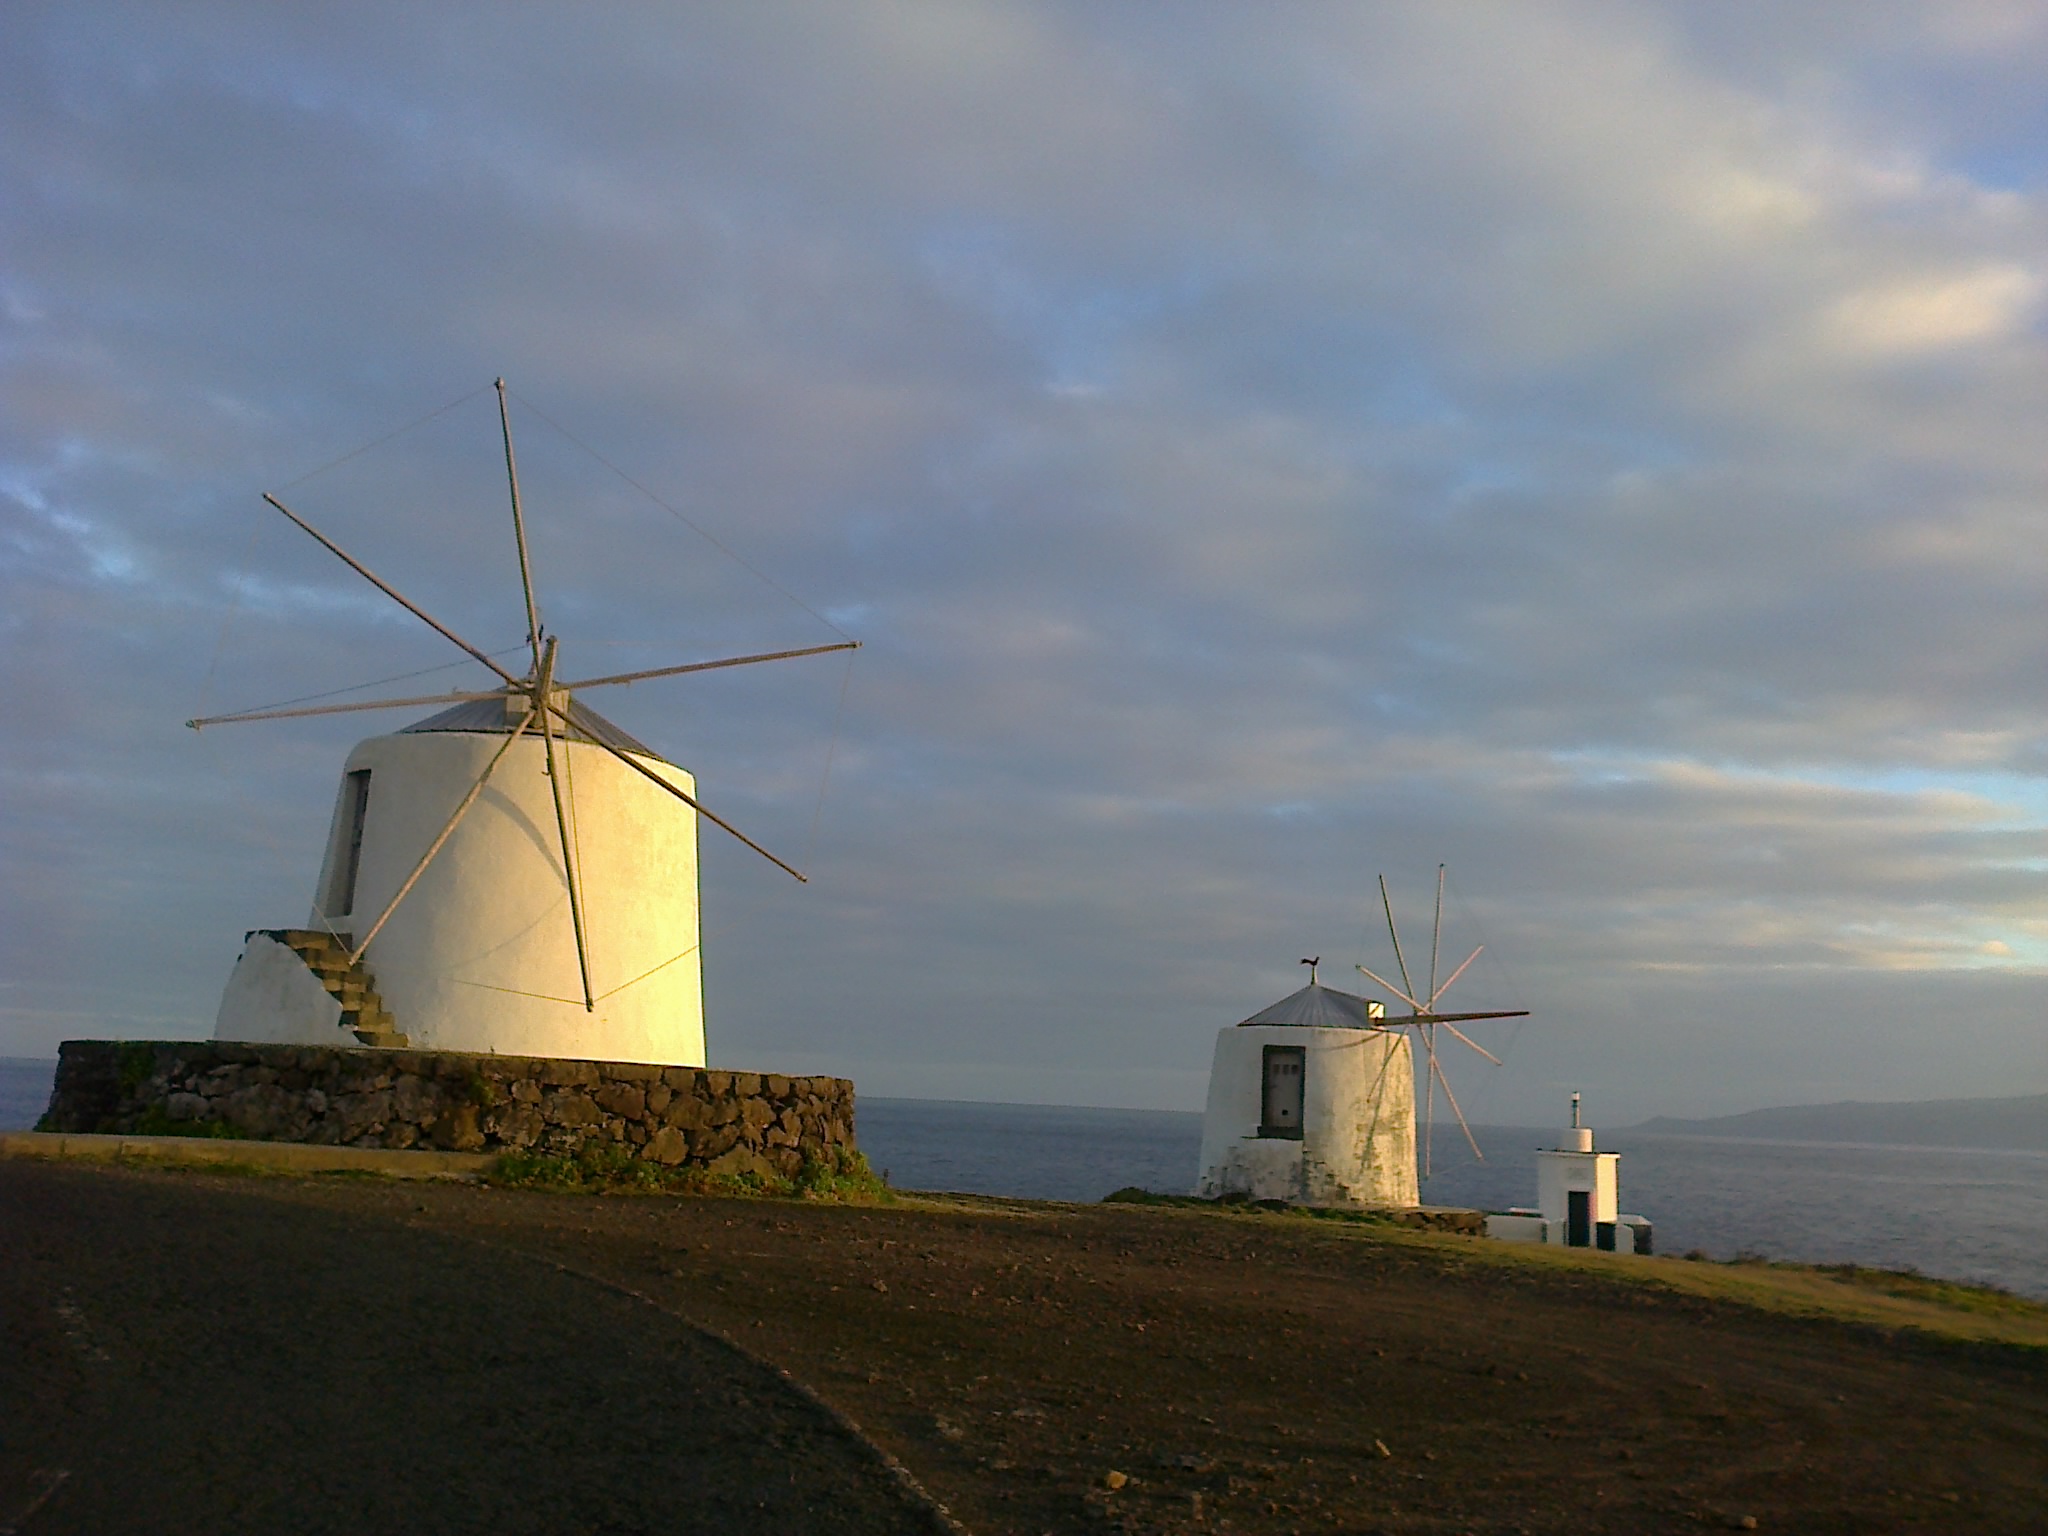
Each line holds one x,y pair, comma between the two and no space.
1044,1368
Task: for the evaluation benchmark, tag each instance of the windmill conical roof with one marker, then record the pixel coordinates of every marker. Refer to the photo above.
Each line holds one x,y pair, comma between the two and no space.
488,716
1318,1007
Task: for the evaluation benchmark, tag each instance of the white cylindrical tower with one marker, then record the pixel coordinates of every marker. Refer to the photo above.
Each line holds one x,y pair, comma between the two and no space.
1311,1104
480,955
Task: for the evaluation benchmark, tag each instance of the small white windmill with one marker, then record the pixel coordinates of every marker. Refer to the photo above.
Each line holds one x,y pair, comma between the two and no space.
1426,1020
450,881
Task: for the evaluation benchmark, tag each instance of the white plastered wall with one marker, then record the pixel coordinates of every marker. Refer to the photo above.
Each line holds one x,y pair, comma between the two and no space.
481,955
1560,1172
272,999
1357,1145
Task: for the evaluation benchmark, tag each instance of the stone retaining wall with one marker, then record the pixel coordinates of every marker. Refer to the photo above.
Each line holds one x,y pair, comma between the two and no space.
725,1122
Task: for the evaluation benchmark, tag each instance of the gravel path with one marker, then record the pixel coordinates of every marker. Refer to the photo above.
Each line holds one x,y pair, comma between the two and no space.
175,1356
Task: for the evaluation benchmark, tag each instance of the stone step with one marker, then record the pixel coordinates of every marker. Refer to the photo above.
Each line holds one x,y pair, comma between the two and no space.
385,1039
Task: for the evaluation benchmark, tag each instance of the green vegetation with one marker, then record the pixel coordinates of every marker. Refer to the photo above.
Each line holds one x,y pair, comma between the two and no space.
613,1170
154,1122
136,1062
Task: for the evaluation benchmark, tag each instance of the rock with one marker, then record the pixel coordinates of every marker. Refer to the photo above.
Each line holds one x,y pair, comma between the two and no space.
413,1099
746,1084
658,1096
363,1114
1381,1447
776,1085
624,1099
740,1162
713,1140
685,1112
571,1109
755,1114
184,1106
263,1112
457,1130
556,1073
667,1146
515,1125
1113,1480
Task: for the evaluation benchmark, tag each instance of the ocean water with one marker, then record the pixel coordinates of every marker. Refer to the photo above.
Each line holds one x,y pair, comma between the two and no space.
1962,1214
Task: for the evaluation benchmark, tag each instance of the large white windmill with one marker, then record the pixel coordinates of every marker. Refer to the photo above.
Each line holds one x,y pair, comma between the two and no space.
1425,1021
512,874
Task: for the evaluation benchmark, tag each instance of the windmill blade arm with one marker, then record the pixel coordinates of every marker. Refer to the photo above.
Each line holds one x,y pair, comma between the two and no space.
1482,1050
1407,986
706,666
345,709
717,821
1375,976
387,589
1452,1099
1440,991
1461,1018
447,831
544,673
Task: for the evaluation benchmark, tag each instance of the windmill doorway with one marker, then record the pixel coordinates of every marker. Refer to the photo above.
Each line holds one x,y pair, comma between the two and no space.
1281,1101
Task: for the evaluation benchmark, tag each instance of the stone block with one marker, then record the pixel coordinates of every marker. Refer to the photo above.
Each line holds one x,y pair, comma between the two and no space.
686,1113
567,1074
667,1146
571,1110
627,1100
641,1072
364,1114
414,1099
714,1140
516,1126
457,1130
658,1095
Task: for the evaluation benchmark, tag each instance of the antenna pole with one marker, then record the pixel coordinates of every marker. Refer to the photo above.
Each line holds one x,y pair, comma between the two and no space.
519,536
543,682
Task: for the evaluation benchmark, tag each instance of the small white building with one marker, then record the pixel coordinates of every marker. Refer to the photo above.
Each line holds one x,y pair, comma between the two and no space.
1312,1102
1577,1199
481,953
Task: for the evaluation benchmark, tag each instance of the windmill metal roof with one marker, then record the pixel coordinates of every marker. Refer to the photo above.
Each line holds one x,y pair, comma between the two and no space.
488,717
1318,1007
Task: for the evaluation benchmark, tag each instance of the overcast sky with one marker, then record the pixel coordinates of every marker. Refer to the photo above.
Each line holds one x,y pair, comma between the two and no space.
1600,448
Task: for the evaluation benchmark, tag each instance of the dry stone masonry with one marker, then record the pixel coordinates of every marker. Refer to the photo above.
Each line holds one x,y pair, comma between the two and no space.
724,1122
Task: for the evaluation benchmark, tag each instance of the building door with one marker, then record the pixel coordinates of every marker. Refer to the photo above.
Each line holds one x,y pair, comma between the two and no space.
1578,1218
1280,1106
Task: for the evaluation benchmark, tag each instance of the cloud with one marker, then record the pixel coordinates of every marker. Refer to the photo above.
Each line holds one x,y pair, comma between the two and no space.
1594,446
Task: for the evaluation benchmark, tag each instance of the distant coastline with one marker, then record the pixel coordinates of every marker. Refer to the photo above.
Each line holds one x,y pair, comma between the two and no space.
2009,1125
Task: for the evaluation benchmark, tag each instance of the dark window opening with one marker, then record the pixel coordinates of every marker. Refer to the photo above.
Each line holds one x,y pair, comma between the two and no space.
355,806
1284,1078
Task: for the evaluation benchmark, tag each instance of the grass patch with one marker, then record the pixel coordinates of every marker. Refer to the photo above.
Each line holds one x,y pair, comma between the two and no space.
1347,1215
154,1122
613,1170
